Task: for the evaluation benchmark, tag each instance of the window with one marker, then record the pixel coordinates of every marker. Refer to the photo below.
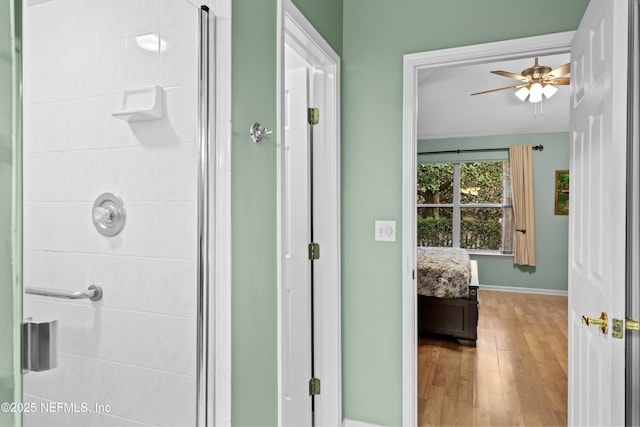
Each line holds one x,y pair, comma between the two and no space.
465,205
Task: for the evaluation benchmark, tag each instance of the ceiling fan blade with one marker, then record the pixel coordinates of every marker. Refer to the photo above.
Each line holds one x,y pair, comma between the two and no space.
560,71
495,90
511,75
561,81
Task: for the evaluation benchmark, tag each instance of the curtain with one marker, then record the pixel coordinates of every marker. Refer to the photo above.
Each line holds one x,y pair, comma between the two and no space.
521,159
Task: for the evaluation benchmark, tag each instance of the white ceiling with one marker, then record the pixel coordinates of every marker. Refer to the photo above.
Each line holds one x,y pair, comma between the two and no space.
446,109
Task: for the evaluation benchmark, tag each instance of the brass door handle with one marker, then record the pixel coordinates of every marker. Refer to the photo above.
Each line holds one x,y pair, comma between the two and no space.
632,325
602,322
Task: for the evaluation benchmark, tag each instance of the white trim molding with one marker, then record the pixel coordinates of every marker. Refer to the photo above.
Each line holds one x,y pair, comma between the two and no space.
354,423
298,33
413,63
516,289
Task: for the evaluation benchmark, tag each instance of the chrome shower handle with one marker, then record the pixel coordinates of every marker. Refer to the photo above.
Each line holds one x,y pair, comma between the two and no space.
101,214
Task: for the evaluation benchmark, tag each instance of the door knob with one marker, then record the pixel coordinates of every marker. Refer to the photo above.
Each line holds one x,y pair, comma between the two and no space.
632,325
602,322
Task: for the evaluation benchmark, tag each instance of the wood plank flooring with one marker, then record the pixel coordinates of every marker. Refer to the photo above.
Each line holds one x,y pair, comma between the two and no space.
515,376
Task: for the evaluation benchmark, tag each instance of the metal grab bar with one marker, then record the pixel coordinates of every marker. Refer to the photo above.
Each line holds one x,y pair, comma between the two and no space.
94,293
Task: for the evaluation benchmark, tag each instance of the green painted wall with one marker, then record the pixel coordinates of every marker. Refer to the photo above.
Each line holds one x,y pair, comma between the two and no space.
10,247
253,204
552,230
326,17
376,34
253,207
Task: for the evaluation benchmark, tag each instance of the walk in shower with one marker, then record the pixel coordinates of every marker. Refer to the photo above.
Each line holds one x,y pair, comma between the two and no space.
115,198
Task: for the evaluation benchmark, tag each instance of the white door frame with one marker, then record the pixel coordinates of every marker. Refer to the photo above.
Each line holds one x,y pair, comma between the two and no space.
633,222
550,44
219,380
295,30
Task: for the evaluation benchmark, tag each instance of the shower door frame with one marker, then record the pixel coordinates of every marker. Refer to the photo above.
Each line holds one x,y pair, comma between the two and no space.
15,222
216,403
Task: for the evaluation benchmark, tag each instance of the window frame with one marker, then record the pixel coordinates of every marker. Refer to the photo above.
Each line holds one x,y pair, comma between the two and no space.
456,206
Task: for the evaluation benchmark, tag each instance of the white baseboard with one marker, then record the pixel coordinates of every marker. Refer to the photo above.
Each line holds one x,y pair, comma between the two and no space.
525,290
353,423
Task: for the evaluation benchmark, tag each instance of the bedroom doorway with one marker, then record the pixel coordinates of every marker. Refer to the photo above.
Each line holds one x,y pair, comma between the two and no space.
415,67
309,358
464,195
600,140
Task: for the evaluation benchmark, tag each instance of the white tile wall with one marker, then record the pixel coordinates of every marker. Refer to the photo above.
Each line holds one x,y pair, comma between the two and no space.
122,18
74,124
79,18
135,349
127,393
155,341
142,284
40,417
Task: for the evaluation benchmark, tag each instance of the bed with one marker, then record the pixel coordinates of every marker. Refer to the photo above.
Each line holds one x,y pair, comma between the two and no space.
447,283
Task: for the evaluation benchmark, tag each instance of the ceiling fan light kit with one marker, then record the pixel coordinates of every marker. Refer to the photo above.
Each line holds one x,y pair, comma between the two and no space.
535,93
535,81
522,93
549,91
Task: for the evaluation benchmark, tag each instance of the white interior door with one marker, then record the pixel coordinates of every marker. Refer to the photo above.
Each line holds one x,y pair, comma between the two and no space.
597,213
296,311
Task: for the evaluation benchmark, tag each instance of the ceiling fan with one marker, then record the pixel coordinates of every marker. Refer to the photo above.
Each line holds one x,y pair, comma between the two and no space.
536,81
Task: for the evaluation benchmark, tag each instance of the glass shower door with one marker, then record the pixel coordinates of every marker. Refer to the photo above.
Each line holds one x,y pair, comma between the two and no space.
110,111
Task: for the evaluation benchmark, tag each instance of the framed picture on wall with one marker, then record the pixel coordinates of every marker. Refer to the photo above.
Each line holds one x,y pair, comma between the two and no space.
562,192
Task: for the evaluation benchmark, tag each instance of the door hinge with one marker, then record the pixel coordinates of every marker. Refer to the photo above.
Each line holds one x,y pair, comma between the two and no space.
314,251
314,386
313,116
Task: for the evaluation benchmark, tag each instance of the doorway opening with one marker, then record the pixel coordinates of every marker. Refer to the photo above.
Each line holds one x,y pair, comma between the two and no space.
413,64
308,191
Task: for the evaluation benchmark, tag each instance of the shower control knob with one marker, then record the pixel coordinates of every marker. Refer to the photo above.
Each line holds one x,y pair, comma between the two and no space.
108,214
101,214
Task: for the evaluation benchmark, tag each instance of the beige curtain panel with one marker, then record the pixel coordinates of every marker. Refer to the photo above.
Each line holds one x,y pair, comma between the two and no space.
521,159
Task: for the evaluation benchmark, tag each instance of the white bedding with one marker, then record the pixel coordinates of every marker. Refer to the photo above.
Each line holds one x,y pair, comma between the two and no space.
443,272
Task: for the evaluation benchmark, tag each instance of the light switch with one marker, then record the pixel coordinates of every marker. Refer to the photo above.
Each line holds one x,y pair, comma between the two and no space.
385,231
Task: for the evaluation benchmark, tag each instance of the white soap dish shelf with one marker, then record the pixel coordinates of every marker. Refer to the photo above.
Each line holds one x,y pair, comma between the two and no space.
141,104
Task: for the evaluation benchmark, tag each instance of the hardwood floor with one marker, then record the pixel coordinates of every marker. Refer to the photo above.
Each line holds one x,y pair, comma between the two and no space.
515,376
